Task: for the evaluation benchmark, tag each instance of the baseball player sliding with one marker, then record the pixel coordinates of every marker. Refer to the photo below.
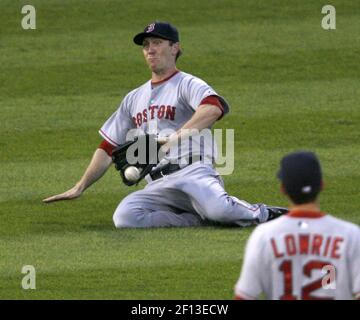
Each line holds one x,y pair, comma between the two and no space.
305,254
183,189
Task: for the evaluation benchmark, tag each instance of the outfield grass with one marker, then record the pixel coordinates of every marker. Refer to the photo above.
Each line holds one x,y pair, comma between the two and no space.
291,86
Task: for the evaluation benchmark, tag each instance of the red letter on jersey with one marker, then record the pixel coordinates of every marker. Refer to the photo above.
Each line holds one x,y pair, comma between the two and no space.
290,245
327,246
135,122
161,112
334,253
304,243
316,244
170,112
145,115
152,111
274,247
139,119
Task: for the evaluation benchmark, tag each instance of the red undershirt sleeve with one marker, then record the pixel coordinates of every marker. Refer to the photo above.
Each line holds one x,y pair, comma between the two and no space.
213,100
107,147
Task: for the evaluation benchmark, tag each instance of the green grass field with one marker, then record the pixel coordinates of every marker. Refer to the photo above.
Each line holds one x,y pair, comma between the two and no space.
291,85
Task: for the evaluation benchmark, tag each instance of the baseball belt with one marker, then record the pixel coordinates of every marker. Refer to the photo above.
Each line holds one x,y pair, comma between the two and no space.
170,168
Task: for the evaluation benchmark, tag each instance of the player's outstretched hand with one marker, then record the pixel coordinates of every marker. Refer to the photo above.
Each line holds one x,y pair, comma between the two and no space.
73,193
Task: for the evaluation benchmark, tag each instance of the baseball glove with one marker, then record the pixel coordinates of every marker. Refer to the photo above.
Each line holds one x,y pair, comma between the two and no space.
142,153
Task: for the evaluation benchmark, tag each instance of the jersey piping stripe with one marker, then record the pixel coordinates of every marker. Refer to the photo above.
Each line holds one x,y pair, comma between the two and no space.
255,208
164,80
108,139
305,214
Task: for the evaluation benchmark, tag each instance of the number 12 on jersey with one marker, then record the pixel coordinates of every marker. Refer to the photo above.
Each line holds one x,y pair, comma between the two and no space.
286,268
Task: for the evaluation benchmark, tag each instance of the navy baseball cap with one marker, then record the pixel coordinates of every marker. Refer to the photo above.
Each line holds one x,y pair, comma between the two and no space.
157,29
300,173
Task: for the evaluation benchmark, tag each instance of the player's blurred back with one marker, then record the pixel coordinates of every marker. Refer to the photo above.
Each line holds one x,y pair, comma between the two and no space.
305,254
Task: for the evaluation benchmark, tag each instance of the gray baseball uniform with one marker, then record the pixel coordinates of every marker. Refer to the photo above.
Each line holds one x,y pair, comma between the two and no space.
187,197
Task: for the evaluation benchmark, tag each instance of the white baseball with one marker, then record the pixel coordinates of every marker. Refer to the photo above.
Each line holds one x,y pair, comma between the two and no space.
132,173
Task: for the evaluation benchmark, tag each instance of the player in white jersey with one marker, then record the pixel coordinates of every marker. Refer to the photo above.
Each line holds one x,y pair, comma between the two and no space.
305,254
189,192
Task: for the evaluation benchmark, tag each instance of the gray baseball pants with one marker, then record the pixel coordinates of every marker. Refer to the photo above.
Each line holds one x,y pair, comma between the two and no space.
192,196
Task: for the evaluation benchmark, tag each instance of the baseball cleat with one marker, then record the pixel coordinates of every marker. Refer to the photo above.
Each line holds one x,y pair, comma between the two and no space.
276,212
